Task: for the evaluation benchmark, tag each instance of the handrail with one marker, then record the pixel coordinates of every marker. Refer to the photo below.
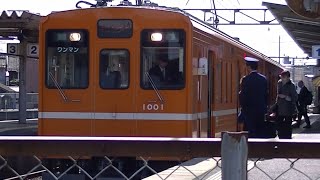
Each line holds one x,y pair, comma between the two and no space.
155,88
64,97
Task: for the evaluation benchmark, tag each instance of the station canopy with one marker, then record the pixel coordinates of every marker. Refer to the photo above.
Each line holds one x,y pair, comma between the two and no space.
13,22
304,31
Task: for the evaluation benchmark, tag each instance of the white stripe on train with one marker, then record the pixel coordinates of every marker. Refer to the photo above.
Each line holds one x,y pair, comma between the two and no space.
133,116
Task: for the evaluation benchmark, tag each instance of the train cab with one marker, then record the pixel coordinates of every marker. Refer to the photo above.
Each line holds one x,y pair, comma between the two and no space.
110,72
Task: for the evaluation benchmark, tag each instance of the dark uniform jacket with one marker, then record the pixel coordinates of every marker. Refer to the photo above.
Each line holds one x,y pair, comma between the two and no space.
285,107
156,72
253,101
171,74
254,94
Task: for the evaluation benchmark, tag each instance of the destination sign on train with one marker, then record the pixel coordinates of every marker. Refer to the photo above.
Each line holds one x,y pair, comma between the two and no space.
111,28
67,49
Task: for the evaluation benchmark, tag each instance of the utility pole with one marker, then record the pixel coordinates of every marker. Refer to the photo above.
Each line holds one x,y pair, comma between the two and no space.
22,80
293,70
279,48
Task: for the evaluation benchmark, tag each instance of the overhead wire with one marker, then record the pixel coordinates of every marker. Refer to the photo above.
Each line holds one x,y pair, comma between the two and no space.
215,12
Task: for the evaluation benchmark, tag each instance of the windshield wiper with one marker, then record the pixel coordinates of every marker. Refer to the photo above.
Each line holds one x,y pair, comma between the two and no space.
64,97
155,87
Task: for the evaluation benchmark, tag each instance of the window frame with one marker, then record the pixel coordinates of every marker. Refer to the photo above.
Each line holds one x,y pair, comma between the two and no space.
100,37
46,57
184,58
113,49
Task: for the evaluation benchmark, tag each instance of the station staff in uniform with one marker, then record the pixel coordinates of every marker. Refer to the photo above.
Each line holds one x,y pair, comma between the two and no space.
253,99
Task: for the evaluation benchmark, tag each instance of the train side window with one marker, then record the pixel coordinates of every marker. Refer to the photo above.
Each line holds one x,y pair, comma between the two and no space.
162,59
67,59
114,69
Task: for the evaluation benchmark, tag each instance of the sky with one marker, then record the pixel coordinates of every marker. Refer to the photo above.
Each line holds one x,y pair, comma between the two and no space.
264,38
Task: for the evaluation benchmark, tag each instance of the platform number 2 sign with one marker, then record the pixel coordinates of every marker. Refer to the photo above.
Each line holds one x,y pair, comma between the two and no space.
33,50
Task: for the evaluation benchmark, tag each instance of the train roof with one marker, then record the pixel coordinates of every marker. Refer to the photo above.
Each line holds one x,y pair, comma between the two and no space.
198,23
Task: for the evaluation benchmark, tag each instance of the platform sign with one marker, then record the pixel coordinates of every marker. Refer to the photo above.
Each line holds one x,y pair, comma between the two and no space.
33,50
316,51
13,48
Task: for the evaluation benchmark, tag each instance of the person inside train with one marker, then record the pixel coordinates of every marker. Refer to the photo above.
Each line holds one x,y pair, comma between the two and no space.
163,72
253,100
110,78
286,105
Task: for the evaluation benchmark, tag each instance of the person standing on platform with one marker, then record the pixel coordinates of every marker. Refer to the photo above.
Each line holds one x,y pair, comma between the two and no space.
286,105
253,99
302,105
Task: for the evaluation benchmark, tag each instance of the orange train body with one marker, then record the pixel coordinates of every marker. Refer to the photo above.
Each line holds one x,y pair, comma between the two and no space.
76,47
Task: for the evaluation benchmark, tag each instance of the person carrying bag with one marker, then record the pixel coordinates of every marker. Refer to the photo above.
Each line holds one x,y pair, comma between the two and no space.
286,105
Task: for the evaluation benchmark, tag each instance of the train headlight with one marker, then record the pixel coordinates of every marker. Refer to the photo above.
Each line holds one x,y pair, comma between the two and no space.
156,37
75,37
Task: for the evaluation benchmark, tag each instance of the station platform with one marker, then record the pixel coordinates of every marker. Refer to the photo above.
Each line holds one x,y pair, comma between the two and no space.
14,128
210,168
315,123
13,114
32,124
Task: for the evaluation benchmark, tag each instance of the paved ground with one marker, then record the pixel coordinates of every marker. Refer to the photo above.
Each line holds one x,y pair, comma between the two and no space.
313,132
14,128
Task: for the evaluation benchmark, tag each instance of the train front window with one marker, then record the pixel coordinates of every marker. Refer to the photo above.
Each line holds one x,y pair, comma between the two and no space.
162,63
67,59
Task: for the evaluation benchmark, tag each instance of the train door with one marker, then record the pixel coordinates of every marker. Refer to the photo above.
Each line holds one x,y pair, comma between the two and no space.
203,86
210,92
113,102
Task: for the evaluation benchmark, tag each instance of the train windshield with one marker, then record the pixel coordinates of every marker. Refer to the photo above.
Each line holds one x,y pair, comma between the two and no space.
67,59
163,60
114,69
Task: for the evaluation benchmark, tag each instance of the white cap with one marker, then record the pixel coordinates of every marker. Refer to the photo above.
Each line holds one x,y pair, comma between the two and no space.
251,59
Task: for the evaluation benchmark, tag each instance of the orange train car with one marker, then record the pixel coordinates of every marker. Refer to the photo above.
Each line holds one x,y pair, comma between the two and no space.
97,78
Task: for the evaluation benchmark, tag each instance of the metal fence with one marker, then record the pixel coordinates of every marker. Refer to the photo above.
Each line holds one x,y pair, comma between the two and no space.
10,101
104,158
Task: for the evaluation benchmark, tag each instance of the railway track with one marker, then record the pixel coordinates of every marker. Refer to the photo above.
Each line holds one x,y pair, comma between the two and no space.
30,176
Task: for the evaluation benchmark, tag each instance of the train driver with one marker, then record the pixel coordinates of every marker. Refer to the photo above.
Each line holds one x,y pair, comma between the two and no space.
160,73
